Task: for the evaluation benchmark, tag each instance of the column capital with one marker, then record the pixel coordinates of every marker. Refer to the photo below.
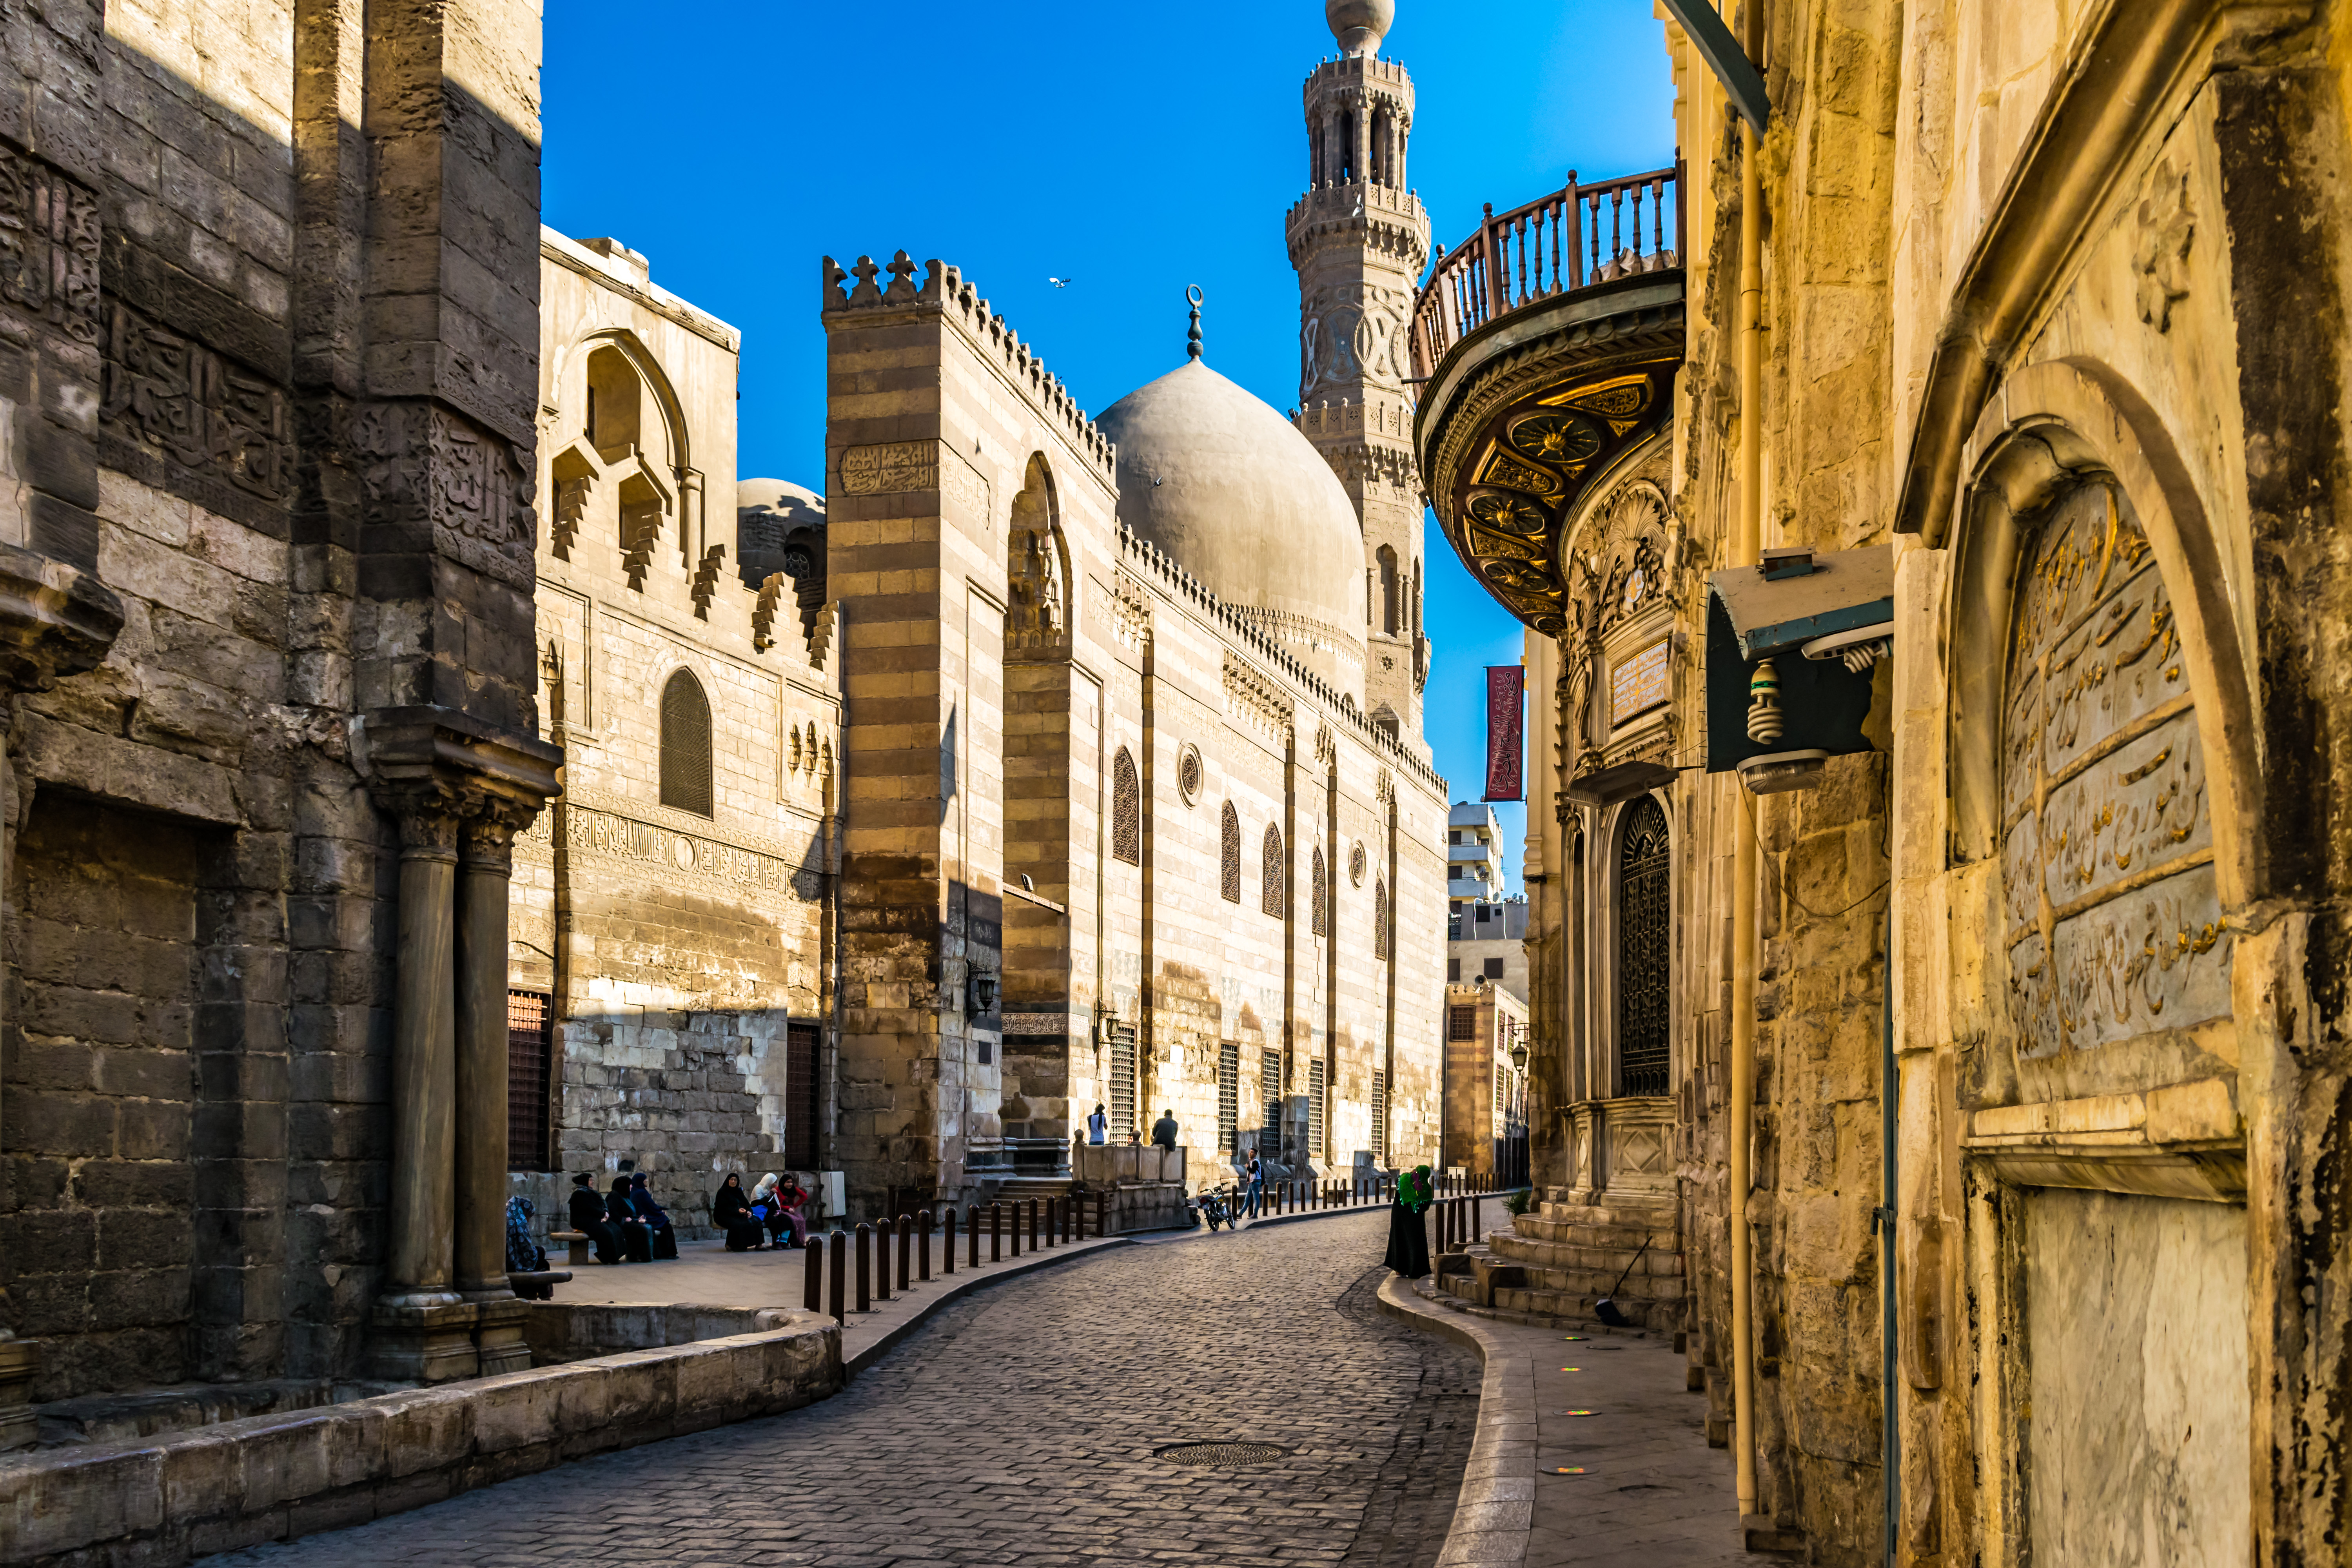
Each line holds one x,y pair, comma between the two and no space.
56,619
431,762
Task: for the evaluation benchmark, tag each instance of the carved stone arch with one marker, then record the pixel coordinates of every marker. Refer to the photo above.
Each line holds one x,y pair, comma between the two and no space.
1624,537
2067,422
649,369
1039,586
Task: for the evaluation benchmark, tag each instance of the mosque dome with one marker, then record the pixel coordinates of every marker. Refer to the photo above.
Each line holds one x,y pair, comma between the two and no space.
1231,492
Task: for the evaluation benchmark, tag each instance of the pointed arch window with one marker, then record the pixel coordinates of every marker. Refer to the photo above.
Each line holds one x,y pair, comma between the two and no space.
1387,557
1229,869
1379,918
1318,887
1270,872
1643,952
686,744
1126,810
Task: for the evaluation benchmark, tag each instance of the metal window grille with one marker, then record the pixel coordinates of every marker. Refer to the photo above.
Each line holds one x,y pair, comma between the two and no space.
1270,872
1122,1080
1462,1022
803,1119
529,1047
686,746
1318,1089
1380,1116
1318,887
1228,1092
1126,810
1269,1088
1380,919
1498,1101
1642,948
1229,850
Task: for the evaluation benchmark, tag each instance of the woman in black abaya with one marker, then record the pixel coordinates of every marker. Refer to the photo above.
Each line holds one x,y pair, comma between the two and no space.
1408,1231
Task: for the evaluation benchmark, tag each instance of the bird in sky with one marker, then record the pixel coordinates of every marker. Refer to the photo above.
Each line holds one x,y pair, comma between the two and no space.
1061,283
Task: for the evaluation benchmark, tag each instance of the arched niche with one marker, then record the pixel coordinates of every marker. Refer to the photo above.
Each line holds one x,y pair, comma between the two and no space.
1037,566
2069,446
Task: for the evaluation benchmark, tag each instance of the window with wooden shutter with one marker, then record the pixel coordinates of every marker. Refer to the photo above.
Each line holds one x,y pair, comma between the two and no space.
804,1116
1380,1116
1126,810
1461,1023
529,1046
1270,872
686,746
1230,852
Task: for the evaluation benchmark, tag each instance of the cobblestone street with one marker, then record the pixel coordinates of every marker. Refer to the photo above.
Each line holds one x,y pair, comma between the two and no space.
1017,1427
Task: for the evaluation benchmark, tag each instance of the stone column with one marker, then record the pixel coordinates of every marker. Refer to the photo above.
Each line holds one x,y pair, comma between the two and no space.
485,870
56,620
424,1328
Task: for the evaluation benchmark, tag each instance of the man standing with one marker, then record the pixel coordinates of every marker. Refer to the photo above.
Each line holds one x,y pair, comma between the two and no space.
1256,1184
1163,1131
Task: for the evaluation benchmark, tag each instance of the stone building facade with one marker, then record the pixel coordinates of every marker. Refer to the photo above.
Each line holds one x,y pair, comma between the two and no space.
670,937
267,390
2022,1056
1486,1081
1136,810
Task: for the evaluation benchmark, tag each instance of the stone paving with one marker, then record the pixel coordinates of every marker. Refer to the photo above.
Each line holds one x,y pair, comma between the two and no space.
1017,1427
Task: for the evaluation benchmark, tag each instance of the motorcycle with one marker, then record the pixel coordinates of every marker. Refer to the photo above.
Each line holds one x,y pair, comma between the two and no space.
1217,1206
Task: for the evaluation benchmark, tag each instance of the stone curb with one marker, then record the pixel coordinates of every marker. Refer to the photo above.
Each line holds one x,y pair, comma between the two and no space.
1493,1514
866,1356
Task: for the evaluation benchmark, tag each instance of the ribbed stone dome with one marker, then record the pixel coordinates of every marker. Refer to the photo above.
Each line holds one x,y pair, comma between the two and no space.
1238,497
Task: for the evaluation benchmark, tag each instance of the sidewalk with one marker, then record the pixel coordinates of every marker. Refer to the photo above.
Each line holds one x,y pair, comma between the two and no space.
706,1274
1650,1494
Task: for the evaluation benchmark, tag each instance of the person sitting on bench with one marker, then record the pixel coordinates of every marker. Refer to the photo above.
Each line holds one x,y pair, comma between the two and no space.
588,1218
665,1236
636,1233
782,1208
731,1211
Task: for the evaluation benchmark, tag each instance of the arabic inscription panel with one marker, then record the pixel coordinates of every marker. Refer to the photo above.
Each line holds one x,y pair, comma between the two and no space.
2115,928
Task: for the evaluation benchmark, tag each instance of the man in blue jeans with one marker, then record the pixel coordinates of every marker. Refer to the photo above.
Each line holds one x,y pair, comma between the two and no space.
1257,1186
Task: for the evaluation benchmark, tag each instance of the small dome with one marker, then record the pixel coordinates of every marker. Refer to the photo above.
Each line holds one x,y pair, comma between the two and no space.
1238,497
1359,25
768,513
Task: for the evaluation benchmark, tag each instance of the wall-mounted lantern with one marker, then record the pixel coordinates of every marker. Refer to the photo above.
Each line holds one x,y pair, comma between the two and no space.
1790,643
983,988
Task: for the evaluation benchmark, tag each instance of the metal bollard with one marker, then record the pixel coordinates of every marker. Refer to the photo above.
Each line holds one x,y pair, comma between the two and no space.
881,1260
923,1242
1052,1224
947,1248
1032,1225
1078,1213
840,1277
905,1247
996,1233
971,1234
1013,1225
865,1244
813,1298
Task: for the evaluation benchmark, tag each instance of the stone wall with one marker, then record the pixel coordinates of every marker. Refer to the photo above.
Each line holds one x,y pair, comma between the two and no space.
265,397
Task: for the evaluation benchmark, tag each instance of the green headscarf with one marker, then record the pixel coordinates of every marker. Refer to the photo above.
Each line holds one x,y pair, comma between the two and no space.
1413,1189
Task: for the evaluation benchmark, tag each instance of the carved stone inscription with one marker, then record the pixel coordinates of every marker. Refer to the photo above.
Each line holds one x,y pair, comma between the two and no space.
168,391
422,459
49,244
2114,922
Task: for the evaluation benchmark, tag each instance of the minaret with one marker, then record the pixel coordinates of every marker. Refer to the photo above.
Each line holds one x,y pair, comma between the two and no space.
1358,239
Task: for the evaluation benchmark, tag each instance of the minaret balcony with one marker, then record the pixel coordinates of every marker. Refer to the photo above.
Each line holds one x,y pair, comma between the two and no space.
1545,347
1389,216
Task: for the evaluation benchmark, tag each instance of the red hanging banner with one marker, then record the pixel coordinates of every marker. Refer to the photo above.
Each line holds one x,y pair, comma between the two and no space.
1506,740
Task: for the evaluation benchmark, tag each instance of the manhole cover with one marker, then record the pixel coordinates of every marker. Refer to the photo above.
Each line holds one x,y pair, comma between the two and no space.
1219,1456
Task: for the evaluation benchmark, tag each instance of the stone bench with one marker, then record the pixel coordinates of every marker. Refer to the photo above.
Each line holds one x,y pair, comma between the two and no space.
576,1241
538,1284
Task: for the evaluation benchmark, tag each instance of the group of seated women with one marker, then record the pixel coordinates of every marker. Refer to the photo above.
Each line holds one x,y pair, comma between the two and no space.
774,1215
626,1226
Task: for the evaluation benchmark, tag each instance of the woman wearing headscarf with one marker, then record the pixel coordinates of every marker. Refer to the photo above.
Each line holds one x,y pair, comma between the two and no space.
637,1235
1408,1232
731,1211
524,1255
792,1205
588,1219
769,1210
664,1235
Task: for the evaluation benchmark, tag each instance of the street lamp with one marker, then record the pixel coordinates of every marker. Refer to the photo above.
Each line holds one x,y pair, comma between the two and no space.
1519,1054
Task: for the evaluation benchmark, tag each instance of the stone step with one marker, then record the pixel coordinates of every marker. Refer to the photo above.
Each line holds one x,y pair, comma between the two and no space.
1612,1257
1596,1224
1484,1286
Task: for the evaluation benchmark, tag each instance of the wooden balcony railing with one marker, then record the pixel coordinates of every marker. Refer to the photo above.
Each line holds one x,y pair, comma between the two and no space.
1573,238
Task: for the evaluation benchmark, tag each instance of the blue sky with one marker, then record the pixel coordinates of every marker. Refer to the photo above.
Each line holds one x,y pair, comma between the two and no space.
1133,150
